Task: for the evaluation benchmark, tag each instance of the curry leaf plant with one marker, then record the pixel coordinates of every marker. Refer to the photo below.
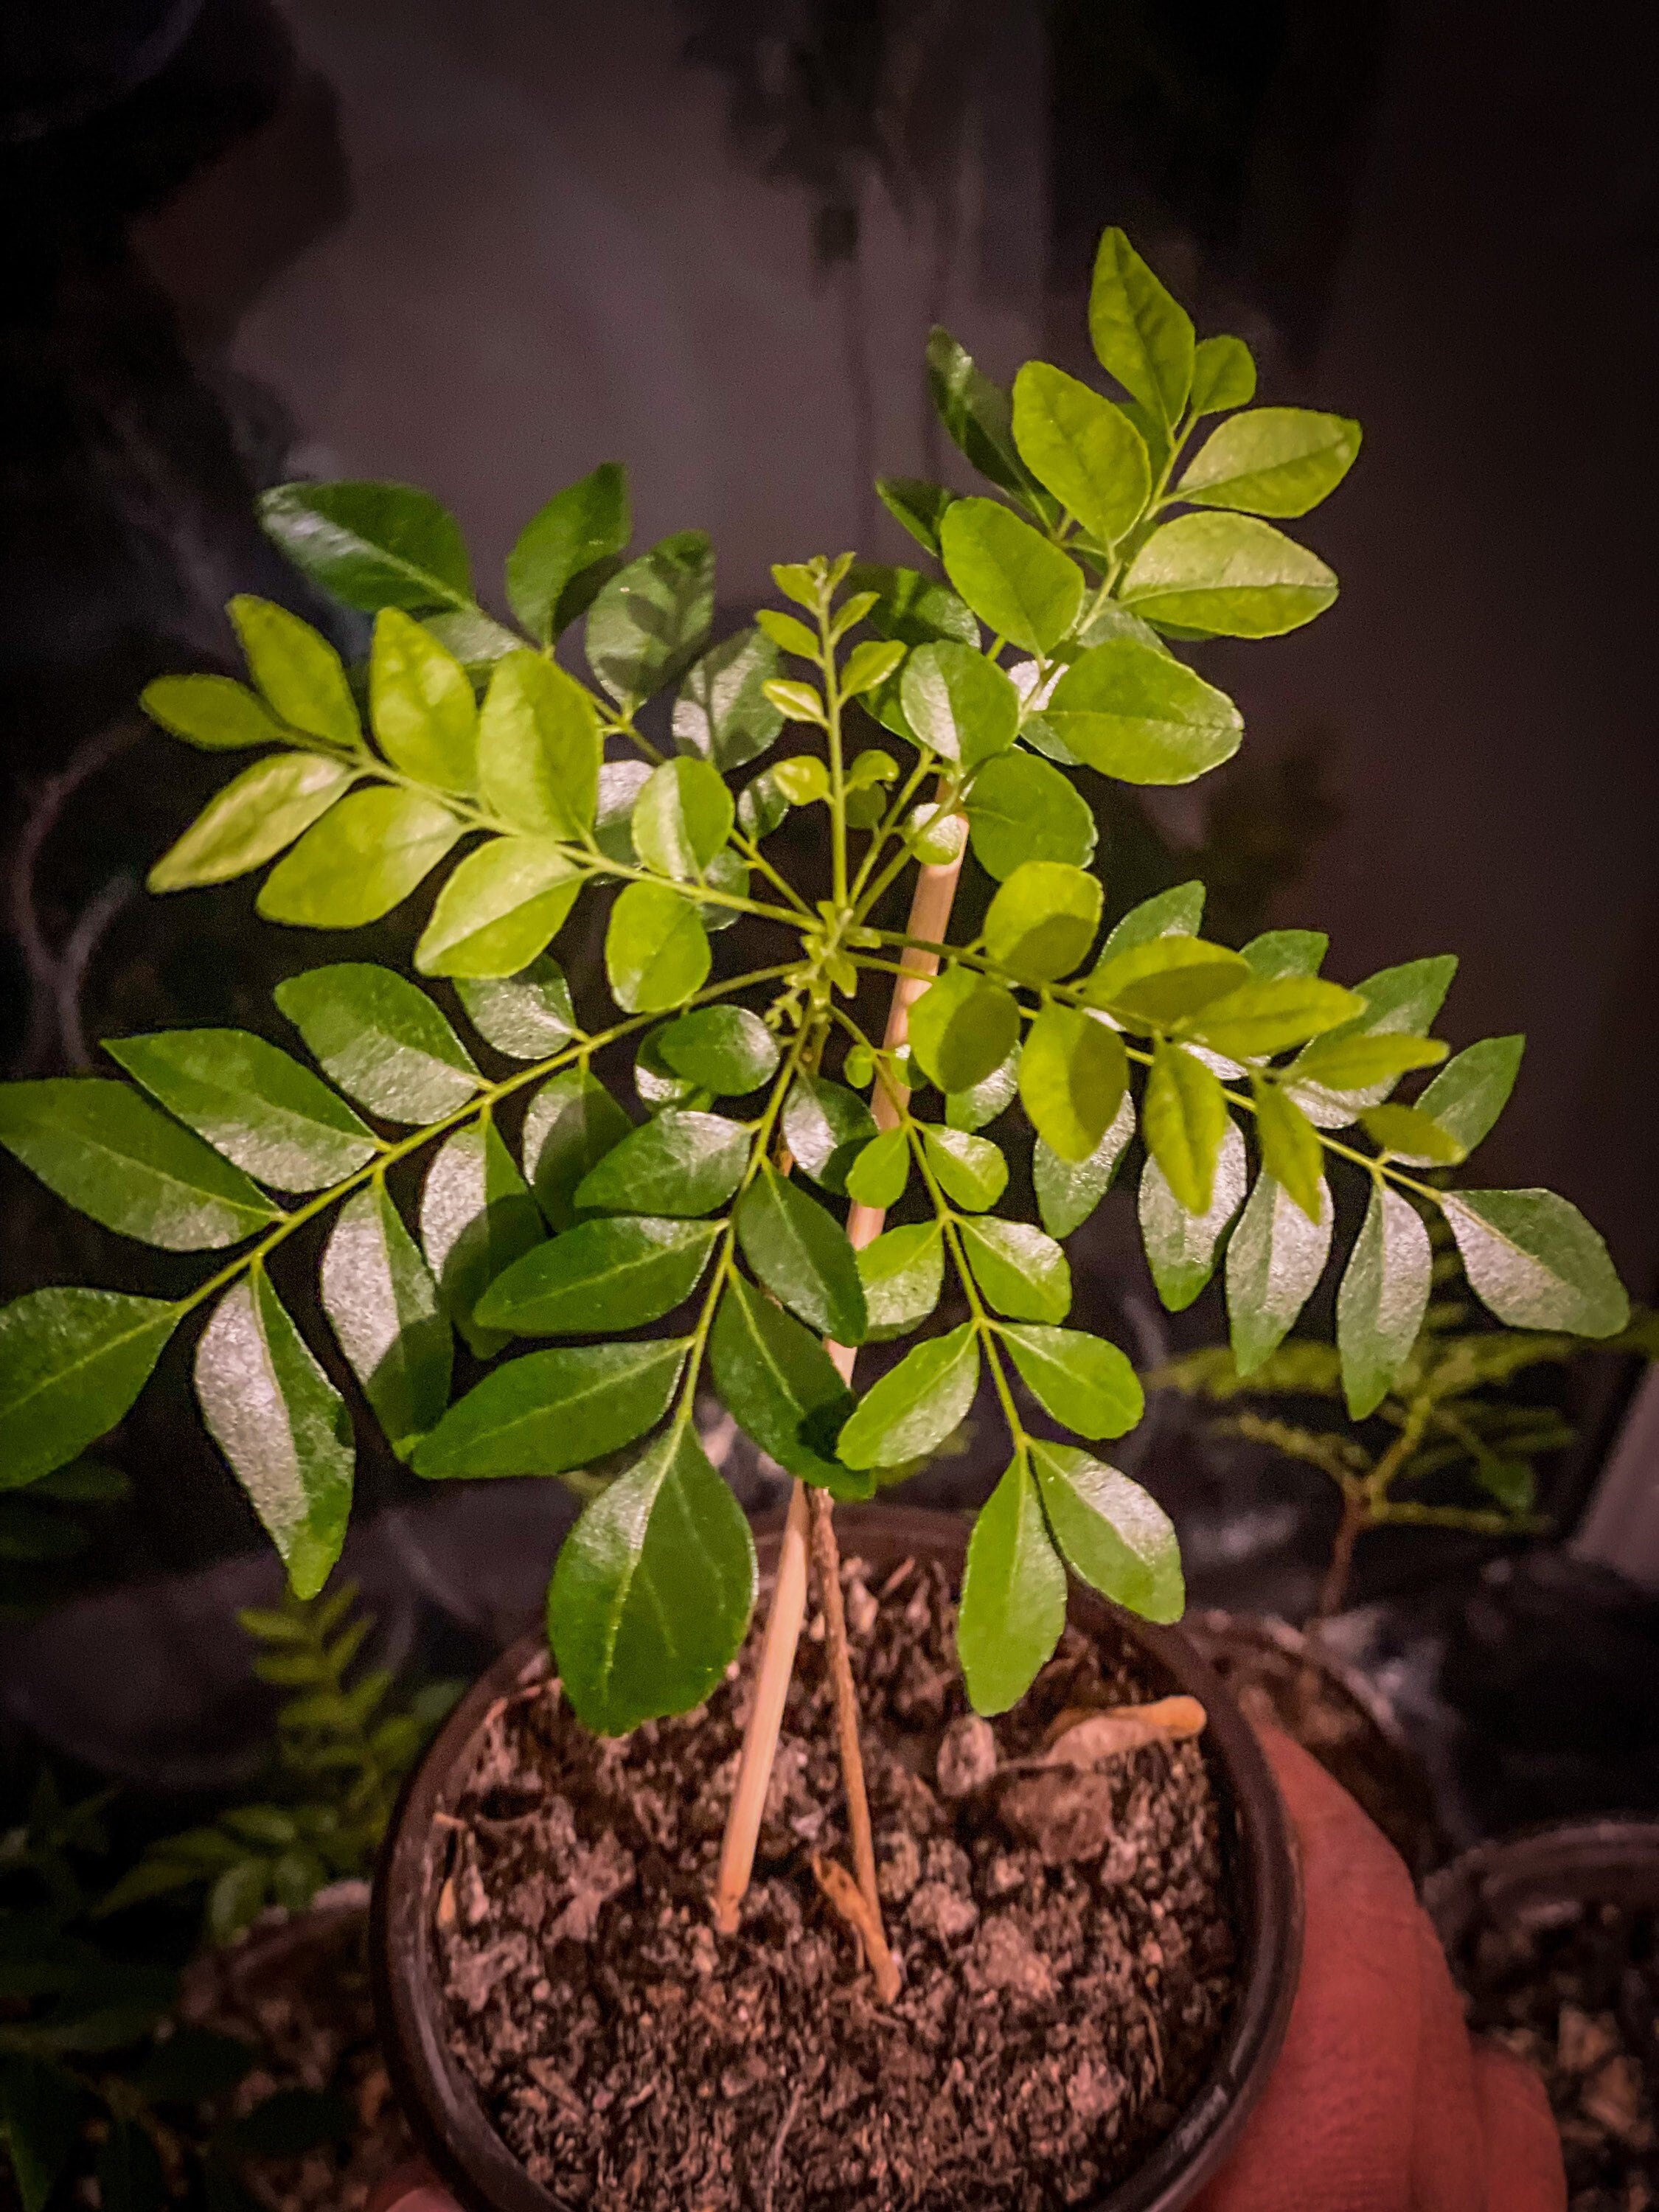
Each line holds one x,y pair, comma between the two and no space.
616,1269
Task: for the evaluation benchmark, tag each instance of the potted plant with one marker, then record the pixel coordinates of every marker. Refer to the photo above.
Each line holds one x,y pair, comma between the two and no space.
1051,1956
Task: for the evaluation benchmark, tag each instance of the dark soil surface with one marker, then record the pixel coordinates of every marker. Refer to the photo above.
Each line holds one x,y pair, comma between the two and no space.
1067,1956
1574,1991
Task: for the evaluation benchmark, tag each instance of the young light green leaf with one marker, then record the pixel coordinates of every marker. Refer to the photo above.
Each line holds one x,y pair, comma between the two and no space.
1292,1153
476,1219
869,666
1020,1272
1472,1089
381,1040
548,1411
682,818
1181,1242
918,507
915,1405
1536,1262
652,1593
252,1102
383,1305
1351,1062
650,622
789,635
902,1273
600,1275
656,950
499,909
1067,1192
1178,912
1072,1079
679,1164
1116,1536
215,713
1223,376
1013,1595
1137,714
1087,1385
802,1255
957,702
251,819
880,1171
1384,1295
1399,1002
722,713
724,1050
572,1123
297,669
1227,575
372,545
1275,1257
1141,334
962,1027
539,749
528,1015
99,1146
1164,981
1086,452
72,1361
566,551
826,1126
802,780
421,704
363,858
1272,460
282,1425
1405,1133
1016,581
1286,953
971,1170
1043,919
1021,808
782,1387
796,703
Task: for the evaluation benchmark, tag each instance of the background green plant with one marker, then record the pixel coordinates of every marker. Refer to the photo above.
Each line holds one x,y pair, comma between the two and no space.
1112,527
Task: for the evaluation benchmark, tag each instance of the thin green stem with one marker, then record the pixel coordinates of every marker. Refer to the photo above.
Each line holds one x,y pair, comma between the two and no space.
837,766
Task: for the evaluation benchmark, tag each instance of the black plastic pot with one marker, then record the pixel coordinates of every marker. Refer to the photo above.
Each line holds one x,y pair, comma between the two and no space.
1613,1862
439,2101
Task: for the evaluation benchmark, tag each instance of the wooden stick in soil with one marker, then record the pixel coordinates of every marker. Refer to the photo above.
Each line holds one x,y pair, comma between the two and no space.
930,916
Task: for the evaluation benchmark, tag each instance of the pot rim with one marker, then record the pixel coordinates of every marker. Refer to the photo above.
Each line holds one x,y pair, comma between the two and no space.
439,2101
1580,1860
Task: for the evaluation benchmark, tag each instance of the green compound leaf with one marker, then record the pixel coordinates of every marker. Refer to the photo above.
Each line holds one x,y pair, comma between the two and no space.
372,545
1534,1260
383,1305
978,417
552,1411
1141,334
1180,1244
1184,1118
957,702
1269,1014
680,1163
1178,912
916,1405
1116,1536
1086,451
1133,713
916,505
1400,1004
528,1016
282,1425
782,1388
1043,919
1383,1298
600,1275
1286,953
1223,376
656,950
826,1126
539,749
421,705
476,1219
682,818
215,713
1403,1133
499,909
1020,809
1227,576
381,1039
722,713
878,1176
572,1123
650,622
72,1361
365,856
1087,1385
651,1597
300,674
1013,1595
1020,1272
724,1050
1273,460
1472,1089
1165,981
902,1273
477,640
252,1102
914,609
1275,1257
1067,1192
962,1027
971,1170
802,1255
99,1146
1290,1150
656,1083
1021,587
982,1102
1073,1076
567,551
249,821
1346,1064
